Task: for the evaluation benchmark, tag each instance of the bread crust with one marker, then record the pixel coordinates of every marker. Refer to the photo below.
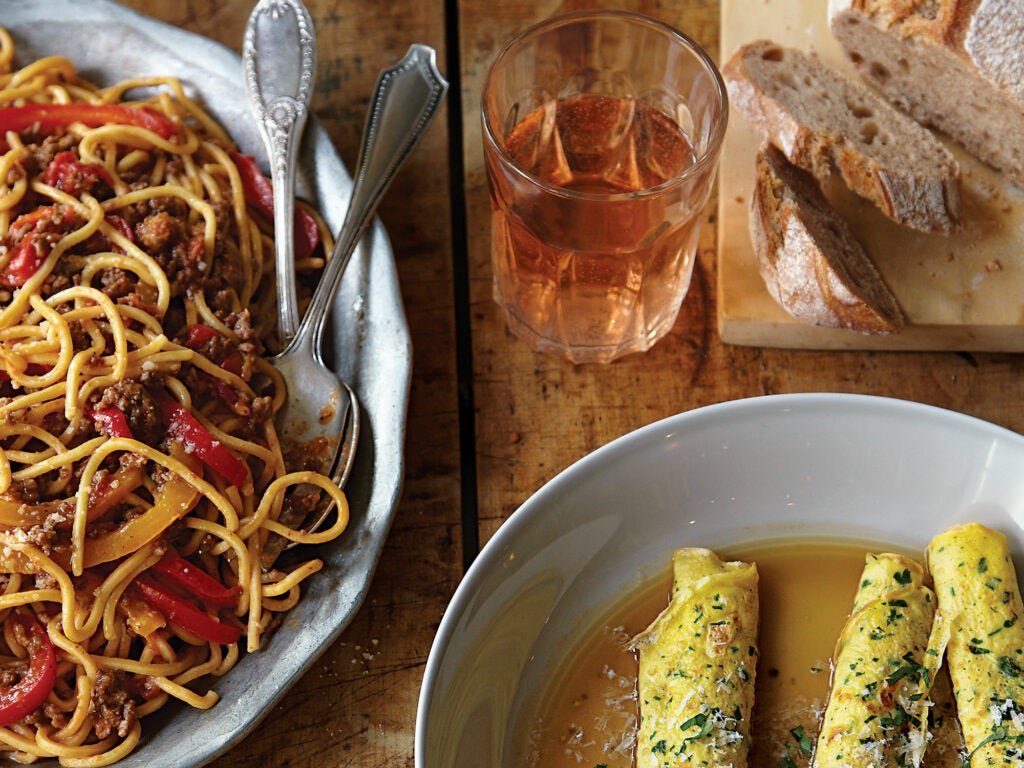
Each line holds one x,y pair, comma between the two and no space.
811,263
824,121
955,65
943,21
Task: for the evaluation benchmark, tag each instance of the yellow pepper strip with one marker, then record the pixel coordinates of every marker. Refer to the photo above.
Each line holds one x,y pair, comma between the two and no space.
112,491
12,561
174,500
18,514
143,619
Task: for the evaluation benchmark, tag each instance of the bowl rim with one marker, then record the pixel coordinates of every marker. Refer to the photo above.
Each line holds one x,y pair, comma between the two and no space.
740,408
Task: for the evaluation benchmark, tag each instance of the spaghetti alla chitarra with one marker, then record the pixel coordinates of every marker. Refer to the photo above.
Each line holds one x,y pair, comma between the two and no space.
140,473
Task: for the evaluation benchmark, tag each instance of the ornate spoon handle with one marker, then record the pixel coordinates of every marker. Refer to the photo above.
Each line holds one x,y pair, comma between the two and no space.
279,58
406,98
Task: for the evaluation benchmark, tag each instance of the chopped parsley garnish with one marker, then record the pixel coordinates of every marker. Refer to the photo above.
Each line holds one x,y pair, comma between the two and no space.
787,759
803,740
998,734
1009,667
701,720
898,717
909,667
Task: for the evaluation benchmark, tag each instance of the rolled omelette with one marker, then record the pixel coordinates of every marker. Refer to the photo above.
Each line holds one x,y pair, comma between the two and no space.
980,618
876,715
698,662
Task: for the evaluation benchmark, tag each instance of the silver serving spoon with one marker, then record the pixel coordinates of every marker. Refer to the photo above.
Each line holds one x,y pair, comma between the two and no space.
279,58
320,405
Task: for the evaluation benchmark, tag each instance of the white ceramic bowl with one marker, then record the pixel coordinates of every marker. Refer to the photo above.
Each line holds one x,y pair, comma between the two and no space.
786,466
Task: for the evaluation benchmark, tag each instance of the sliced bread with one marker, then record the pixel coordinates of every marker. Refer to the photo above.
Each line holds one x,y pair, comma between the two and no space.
957,66
823,120
810,261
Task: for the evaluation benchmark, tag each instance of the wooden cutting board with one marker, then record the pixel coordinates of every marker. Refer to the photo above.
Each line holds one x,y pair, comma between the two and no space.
963,292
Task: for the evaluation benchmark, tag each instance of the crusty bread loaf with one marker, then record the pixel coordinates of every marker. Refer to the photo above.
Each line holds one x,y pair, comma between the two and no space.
810,261
954,65
823,120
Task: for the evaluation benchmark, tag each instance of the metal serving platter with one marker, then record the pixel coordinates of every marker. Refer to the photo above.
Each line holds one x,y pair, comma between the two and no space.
107,43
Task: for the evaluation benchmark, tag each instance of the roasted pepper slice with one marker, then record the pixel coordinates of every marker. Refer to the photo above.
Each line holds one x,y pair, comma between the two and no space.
184,614
183,426
111,421
173,501
46,118
29,693
259,193
196,581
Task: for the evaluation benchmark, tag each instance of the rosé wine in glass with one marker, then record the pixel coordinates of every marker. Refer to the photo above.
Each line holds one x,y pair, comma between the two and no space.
596,191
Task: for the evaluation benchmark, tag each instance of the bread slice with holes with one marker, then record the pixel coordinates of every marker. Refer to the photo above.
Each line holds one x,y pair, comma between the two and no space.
957,66
811,263
823,121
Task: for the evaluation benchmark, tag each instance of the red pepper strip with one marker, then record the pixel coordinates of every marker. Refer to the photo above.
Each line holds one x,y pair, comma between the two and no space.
111,421
196,581
232,363
99,241
307,235
26,260
122,226
66,172
29,693
183,426
46,118
31,251
260,195
186,615
199,334
30,220
231,397
32,369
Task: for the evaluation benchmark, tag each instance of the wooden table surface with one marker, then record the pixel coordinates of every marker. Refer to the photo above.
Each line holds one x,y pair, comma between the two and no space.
490,421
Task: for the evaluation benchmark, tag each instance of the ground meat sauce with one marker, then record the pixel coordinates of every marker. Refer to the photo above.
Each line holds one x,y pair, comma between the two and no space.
118,284
158,231
42,152
136,403
112,705
159,225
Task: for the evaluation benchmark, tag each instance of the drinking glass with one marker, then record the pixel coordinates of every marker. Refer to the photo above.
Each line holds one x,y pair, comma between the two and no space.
602,133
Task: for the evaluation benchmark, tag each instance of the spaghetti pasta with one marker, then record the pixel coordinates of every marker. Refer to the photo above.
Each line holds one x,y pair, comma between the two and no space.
140,473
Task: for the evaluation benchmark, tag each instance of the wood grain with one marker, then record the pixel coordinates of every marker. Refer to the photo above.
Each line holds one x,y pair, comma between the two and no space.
537,414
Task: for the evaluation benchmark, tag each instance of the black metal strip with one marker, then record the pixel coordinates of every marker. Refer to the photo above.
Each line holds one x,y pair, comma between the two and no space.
460,288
